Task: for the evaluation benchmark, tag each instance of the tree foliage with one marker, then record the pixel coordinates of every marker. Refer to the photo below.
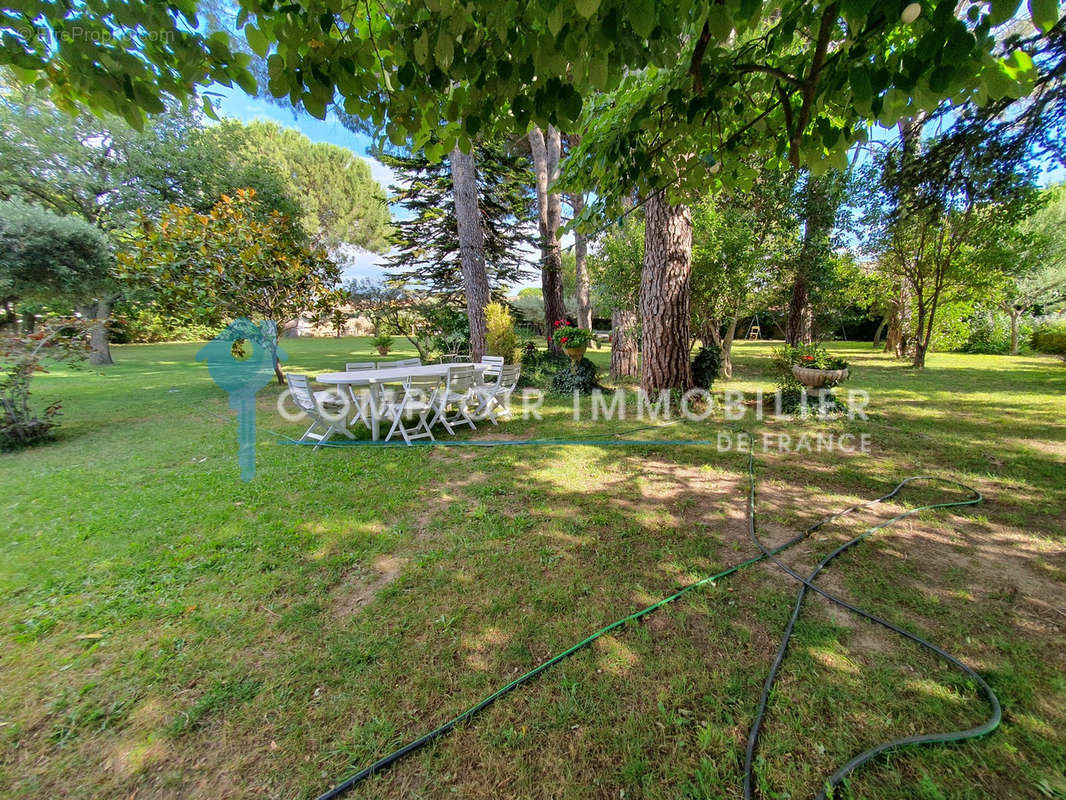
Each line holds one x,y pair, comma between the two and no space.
232,261
339,199
102,170
716,79
425,245
47,257
937,221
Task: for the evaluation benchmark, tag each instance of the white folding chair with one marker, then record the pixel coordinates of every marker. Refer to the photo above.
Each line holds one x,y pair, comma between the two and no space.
458,392
360,394
492,371
334,397
417,401
403,362
495,398
454,358
306,401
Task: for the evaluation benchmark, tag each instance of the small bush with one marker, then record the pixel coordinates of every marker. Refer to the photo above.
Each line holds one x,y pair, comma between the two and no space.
1050,337
705,366
382,342
500,336
146,326
990,333
581,379
21,357
539,367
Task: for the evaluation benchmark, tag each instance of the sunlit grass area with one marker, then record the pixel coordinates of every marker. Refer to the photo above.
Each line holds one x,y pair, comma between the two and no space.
169,631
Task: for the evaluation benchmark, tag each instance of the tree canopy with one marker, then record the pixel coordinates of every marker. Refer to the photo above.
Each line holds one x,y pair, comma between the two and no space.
45,256
232,261
339,200
425,245
710,79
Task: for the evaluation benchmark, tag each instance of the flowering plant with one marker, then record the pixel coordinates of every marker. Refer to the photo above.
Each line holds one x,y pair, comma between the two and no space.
811,356
566,335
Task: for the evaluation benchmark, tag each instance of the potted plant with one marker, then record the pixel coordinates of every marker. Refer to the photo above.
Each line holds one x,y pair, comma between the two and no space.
382,342
573,340
814,368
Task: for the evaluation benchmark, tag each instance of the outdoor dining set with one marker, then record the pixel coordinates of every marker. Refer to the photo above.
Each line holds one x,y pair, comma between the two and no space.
410,397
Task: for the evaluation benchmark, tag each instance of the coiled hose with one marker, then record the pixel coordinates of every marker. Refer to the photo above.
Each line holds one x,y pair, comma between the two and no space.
771,554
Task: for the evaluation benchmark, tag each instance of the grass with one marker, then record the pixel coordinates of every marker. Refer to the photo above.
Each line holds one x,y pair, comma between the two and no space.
168,631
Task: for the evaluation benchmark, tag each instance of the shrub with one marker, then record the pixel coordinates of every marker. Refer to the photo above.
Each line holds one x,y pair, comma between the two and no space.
20,359
148,326
989,334
500,336
382,342
539,367
705,366
570,379
1049,336
451,329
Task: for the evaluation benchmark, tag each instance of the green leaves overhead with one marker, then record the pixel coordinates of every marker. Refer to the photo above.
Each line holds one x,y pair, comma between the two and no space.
1044,13
784,83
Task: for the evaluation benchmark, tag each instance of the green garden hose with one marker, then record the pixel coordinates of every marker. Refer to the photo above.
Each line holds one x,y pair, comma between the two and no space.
766,554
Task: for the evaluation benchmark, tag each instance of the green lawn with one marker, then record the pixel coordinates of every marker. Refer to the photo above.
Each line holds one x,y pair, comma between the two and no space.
168,631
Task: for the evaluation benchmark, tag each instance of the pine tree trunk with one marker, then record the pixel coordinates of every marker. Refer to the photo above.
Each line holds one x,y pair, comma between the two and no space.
584,304
665,284
623,343
546,150
798,327
818,217
471,247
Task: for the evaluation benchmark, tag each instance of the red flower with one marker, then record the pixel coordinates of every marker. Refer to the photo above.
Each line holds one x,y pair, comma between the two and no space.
564,338
808,358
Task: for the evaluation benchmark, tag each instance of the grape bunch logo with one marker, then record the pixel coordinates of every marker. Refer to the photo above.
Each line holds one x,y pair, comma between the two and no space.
241,362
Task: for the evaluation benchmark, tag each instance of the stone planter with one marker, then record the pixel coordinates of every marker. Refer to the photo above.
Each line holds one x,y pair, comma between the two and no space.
576,354
818,378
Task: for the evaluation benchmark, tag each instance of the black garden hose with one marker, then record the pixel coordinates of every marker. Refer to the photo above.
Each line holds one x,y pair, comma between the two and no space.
765,554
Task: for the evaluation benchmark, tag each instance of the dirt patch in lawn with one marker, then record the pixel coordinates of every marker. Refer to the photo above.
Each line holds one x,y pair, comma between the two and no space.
358,588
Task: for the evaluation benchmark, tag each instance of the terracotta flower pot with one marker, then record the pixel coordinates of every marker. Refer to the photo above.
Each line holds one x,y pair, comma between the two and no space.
817,378
384,351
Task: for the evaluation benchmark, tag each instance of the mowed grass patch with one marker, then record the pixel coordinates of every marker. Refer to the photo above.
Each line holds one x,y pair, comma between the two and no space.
169,631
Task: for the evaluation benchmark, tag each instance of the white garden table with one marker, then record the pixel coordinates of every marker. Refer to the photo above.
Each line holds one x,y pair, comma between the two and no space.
390,375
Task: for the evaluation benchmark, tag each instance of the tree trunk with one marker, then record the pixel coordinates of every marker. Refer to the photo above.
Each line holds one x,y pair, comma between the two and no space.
819,213
29,321
623,343
99,311
897,340
880,331
584,304
921,337
1014,346
546,150
800,318
727,347
471,247
665,284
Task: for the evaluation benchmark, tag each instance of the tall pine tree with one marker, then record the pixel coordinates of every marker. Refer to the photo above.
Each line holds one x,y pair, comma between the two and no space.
425,250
